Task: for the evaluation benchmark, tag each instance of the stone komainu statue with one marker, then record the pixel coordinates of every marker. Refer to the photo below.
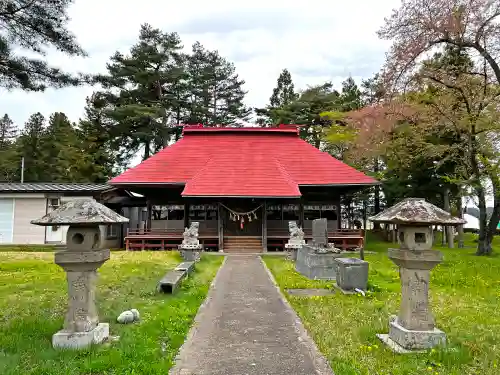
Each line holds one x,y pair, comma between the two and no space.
191,233
296,233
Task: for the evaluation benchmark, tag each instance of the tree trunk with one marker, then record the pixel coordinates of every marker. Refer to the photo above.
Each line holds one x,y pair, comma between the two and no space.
485,238
460,228
447,208
376,198
146,150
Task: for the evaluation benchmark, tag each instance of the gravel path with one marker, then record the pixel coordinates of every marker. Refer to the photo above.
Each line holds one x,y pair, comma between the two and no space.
246,327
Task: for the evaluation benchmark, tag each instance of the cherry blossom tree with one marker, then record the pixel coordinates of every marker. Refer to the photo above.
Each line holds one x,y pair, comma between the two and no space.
420,26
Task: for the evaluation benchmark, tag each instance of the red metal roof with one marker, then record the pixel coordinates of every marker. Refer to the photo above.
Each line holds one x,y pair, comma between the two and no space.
242,162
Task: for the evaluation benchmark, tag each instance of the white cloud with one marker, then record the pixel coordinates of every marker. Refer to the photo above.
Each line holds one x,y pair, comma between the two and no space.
316,40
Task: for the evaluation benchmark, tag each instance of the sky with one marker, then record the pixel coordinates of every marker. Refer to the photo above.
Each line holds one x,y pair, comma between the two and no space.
315,40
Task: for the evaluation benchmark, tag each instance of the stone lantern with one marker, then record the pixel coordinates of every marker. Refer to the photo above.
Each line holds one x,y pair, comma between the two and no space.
84,255
414,327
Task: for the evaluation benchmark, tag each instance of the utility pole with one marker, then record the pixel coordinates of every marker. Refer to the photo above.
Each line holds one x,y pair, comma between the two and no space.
22,169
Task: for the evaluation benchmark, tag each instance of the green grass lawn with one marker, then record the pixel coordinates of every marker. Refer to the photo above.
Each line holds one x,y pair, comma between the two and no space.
465,296
33,303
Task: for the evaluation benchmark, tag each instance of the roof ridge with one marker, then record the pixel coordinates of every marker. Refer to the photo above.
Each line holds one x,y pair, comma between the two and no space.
291,182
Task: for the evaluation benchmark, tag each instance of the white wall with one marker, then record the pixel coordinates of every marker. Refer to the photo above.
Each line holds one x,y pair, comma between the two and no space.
33,206
25,210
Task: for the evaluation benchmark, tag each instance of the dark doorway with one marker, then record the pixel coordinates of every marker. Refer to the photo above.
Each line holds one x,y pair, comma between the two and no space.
248,224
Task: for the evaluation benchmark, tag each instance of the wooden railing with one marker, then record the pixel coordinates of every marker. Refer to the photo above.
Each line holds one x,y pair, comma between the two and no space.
343,238
164,239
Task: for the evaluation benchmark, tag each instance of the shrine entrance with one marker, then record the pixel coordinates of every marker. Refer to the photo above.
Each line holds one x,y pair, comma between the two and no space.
242,219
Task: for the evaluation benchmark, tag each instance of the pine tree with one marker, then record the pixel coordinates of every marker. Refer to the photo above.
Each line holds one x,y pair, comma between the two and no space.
284,92
146,90
307,110
100,158
29,145
34,25
9,167
350,98
62,150
8,130
216,91
283,95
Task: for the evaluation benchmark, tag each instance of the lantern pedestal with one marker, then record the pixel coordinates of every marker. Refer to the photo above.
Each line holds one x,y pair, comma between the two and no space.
81,325
414,328
84,255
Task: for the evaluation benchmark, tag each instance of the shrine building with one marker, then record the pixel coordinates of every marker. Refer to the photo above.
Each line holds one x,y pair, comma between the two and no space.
243,185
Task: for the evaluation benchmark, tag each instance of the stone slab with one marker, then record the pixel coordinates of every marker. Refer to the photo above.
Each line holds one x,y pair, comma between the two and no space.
346,292
171,281
80,340
416,340
310,292
320,232
186,266
394,346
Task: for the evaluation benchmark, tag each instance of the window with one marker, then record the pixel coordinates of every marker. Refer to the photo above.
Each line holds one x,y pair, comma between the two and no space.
212,214
419,237
291,212
54,203
274,212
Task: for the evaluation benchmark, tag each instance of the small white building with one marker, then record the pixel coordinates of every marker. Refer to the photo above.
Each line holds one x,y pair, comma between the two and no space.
22,202
472,223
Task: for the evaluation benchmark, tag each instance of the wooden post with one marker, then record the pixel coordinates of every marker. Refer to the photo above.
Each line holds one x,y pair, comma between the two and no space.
301,213
149,214
339,214
220,227
264,226
186,215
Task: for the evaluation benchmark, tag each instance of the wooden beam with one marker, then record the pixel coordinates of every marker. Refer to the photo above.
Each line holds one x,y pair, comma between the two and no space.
149,213
301,213
186,214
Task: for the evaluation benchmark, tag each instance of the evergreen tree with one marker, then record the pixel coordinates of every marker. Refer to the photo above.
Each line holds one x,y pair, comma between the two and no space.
9,166
373,90
307,110
29,145
216,91
34,25
60,149
146,91
283,95
99,158
8,130
350,98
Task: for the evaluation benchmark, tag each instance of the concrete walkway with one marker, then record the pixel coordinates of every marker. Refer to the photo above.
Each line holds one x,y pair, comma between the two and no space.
246,327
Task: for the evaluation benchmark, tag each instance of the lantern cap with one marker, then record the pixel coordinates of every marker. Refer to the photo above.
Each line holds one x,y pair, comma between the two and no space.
80,212
415,211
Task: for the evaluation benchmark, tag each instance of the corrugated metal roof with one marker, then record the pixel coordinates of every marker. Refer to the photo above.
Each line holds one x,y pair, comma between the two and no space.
56,187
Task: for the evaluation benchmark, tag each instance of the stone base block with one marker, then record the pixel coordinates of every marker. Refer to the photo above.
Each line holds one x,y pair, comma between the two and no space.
411,340
394,346
81,340
352,273
347,292
190,255
292,254
316,266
